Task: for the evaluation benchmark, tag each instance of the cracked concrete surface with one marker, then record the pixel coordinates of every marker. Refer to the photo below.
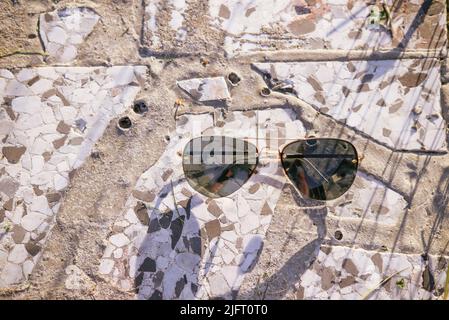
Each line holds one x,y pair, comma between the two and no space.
393,221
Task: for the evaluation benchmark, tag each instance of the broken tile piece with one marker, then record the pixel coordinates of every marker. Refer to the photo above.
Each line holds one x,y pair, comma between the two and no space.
374,97
13,154
357,274
62,31
244,26
206,89
119,240
44,145
370,200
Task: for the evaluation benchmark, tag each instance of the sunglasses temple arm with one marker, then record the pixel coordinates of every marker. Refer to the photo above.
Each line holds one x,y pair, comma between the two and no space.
288,156
322,155
230,165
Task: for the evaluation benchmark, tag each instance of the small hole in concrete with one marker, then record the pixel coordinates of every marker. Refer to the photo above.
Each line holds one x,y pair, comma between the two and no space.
124,123
300,10
233,78
338,235
95,154
204,62
265,92
140,107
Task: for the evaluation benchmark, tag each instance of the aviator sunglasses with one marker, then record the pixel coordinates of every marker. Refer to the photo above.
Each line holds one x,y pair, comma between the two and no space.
319,168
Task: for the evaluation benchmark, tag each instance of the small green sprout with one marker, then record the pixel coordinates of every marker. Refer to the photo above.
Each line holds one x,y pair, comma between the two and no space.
401,283
6,226
379,16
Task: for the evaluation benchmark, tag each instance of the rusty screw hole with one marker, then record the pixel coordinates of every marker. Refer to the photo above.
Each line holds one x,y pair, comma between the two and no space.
124,123
140,107
265,92
233,78
338,235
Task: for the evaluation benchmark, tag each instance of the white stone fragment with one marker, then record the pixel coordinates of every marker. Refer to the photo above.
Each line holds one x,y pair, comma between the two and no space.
57,35
32,220
60,182
25,75
27,104
218,285
27,267
118,253
206,89
11,274
6,74
62,30
41,86
119,240
106,266
18,254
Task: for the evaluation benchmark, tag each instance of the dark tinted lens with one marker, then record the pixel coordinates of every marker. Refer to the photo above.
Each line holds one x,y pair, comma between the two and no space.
322,169
217,166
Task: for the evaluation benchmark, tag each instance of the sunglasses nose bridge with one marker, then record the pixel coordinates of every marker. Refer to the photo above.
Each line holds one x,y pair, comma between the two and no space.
267,156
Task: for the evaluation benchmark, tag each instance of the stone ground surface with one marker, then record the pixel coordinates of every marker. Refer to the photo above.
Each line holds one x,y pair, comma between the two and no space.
89,211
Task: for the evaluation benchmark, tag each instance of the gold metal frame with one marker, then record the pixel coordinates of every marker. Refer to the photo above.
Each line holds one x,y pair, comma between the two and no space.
279,151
